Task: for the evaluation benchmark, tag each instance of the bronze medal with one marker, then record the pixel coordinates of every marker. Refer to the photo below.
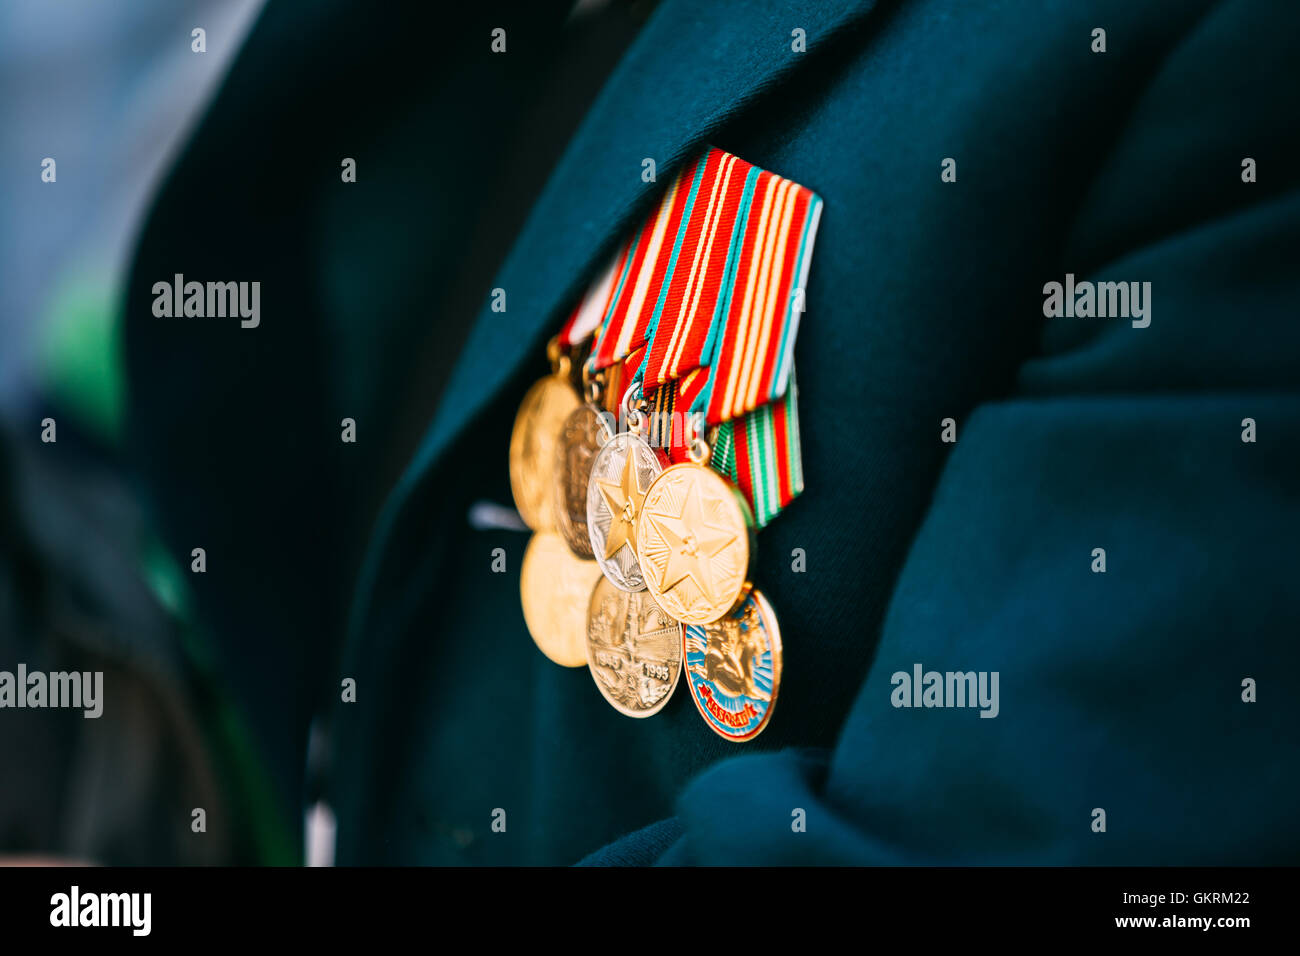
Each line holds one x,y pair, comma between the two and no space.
576,446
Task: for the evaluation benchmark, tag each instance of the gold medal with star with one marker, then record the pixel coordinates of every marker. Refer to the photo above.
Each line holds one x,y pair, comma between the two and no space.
695,542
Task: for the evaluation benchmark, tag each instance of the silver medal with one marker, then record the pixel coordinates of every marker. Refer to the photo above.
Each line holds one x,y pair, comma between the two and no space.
620,474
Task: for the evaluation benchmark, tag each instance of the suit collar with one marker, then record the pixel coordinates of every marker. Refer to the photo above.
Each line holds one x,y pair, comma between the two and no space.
693,67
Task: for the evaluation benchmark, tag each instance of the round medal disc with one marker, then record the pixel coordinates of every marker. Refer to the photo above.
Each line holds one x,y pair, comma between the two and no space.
555,589
532,448
634,649
620,474
694,541
733,668
576,446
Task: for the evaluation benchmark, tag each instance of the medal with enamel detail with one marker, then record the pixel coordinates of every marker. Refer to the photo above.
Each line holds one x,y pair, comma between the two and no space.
733,667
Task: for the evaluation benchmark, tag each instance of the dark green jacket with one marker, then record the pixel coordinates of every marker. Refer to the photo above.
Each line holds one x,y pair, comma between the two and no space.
1120,691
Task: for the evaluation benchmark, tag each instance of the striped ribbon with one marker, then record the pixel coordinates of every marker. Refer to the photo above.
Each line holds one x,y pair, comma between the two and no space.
730,283
590,311
760,453
750,348
713,276
668,408
617,378
704,301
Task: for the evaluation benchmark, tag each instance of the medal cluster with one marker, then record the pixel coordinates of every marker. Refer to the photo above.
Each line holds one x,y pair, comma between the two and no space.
637,566
645,477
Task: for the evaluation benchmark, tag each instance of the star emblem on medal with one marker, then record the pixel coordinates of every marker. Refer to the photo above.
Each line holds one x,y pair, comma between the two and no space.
624,498
692,539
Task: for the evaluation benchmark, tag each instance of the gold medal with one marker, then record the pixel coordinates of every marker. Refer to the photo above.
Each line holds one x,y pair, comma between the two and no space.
694,541
579,439
532,442
634,649
555,589
733,668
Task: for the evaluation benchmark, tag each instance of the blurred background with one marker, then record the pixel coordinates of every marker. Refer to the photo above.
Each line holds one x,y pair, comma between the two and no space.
127,441
224,163
109,92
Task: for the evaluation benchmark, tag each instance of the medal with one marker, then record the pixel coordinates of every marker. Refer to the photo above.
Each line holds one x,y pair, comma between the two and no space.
634,650
733,668
555,588
695,541
577,445
532,442
620,474
583,431
760,453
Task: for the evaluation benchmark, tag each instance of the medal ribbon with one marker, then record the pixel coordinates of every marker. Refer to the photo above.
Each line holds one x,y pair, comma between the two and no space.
731,285
588,314
645,266
712,275
750,348
760,453
704,303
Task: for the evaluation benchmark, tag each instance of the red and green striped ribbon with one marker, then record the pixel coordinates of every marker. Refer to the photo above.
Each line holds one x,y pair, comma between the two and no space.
710,287
760,453
714,277
750,350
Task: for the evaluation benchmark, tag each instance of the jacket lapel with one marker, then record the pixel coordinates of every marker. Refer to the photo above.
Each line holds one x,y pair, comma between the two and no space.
692,67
